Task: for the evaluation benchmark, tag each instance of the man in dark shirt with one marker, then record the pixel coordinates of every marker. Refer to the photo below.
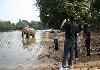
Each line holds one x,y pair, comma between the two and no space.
69,43
87,34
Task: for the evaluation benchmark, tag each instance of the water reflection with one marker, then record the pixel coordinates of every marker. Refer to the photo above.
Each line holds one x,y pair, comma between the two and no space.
16,50
29,41
43,36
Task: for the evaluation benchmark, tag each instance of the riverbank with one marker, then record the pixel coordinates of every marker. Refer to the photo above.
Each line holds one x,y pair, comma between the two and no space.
50,59
40,55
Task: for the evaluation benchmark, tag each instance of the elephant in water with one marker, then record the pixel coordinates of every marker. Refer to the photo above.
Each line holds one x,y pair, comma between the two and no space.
28,32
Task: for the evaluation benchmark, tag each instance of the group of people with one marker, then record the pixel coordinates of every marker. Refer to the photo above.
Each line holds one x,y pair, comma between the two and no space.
72,30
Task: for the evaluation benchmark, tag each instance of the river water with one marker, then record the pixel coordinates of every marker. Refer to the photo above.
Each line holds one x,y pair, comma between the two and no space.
14,50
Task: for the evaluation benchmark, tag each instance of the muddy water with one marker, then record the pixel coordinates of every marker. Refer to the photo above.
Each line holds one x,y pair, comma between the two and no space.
15,51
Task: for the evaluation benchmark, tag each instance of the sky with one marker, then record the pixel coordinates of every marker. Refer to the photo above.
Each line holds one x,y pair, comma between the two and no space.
13,10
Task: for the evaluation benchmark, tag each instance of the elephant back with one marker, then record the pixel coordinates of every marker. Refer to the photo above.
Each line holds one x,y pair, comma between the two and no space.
32,31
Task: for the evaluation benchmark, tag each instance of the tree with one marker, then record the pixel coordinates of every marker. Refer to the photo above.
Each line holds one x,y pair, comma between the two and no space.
21,24
52,12
37,25
5,26
13,26
95,12
96,5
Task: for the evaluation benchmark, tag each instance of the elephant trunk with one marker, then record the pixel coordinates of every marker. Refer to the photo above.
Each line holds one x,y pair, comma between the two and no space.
27,35
22,34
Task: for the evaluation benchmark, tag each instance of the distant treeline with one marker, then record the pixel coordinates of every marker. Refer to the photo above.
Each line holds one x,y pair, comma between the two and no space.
8,26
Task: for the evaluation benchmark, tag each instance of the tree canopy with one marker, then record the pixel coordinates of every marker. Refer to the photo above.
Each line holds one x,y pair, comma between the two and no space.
52,12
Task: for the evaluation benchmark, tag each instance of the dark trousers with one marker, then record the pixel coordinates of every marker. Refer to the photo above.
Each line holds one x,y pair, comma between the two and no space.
76,50
56,44
88,46
68,53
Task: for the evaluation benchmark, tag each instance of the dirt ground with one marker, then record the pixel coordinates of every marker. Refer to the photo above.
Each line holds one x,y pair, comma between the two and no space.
49,59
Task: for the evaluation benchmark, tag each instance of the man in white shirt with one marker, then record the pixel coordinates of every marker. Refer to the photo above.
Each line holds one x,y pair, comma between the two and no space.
55,31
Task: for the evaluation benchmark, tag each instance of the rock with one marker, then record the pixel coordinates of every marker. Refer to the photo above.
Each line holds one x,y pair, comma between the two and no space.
55,64
48,56
97,49
91,66
43,60
27,59
49,48
20,66
98,68
50,52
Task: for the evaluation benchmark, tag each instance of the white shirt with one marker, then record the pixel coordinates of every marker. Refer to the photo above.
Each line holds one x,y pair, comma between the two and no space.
55,33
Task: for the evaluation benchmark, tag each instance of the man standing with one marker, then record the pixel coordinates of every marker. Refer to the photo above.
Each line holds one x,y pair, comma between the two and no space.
55,31
69,43
87,36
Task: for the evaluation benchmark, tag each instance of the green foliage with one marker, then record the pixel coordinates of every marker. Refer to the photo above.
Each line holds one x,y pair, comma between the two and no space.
37,25
21,24
96,5
95,12
5,25
8,26
52,12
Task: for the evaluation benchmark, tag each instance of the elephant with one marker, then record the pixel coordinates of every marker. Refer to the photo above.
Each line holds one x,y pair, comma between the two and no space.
28,32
